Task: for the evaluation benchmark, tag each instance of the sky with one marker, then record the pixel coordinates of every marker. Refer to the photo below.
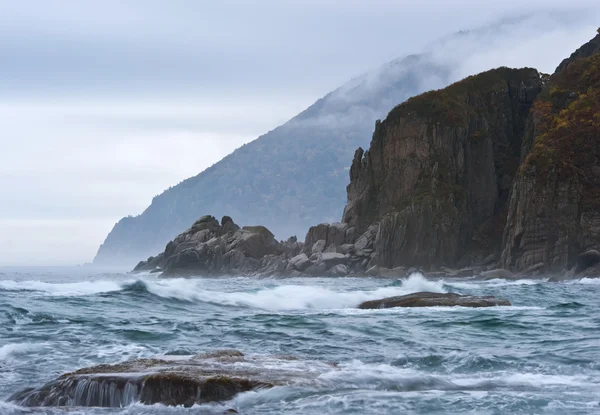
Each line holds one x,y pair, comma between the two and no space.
104,104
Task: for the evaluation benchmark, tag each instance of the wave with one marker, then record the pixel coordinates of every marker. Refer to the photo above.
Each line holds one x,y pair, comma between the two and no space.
586,281
69,289
384,376
286,297
278,298
15,349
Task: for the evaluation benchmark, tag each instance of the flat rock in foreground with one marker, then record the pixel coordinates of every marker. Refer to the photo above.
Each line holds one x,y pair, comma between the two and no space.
211,377
426,299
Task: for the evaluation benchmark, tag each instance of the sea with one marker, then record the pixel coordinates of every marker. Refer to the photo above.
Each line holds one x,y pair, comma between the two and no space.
539,356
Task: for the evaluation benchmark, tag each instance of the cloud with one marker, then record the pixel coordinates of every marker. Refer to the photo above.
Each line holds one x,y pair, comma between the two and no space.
107,103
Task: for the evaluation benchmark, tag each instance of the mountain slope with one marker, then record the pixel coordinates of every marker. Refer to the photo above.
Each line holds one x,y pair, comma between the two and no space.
287,179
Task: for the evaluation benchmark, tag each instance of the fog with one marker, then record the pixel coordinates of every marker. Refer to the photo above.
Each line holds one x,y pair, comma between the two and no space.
106,104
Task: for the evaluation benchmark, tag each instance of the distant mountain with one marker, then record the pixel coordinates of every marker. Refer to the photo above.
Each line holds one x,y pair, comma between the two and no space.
295,175
288,179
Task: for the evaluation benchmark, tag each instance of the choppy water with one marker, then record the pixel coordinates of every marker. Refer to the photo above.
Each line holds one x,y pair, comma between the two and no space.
540,356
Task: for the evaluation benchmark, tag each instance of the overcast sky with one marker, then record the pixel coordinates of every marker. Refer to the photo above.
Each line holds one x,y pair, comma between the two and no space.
104,104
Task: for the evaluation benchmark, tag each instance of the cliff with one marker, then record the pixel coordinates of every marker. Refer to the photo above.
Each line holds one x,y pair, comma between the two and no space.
554,212
438,172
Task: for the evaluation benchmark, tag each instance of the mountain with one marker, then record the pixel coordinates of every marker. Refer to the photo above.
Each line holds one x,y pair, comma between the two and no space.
294,176
287,179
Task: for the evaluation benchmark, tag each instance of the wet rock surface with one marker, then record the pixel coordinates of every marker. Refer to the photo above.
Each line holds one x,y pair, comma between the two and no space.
175,381
427,299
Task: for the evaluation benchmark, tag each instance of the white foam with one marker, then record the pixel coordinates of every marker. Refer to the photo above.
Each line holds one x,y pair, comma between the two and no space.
587,281
62,289
16,349
497,282
288,297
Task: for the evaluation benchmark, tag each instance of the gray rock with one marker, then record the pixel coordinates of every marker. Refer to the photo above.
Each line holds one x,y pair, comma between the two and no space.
331,259
318,246
363,242
490,259
346,248
299,262
316,270
427,299
332,248
217,376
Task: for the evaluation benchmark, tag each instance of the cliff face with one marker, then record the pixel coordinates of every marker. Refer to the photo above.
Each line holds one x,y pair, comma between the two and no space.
554,211
438,171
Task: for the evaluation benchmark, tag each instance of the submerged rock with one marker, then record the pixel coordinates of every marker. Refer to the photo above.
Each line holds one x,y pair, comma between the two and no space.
173,381
427,299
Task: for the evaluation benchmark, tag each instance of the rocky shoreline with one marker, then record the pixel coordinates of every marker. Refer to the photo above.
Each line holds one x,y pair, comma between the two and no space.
210,248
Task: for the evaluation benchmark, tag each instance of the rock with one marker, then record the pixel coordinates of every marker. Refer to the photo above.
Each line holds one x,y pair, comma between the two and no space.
316,270
333,248
300,262
318,246
363,242
427,299
586,260
490,259
209,248
173,381
346,248
336,234
316,233
497,273
532,270
331,259
373,271
339,270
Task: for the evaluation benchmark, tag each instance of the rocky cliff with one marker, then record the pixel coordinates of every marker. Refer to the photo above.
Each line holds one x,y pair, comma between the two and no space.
554,211
438,172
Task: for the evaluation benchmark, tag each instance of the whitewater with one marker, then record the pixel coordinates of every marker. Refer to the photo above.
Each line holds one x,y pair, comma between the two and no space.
539,356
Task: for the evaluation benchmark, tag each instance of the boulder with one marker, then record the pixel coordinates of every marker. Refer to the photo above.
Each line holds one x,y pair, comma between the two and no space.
316,269
318,246
300,262
346,248
173,381
331,259
427,299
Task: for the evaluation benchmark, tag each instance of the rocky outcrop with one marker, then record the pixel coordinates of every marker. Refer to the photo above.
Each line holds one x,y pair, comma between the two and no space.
554,210
173,381
437,175
210,248
427,299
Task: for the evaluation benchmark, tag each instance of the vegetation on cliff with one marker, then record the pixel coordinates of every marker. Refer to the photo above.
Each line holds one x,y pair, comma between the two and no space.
567,118
452,105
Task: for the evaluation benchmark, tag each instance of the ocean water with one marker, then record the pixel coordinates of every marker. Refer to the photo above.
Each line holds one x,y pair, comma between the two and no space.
540,356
